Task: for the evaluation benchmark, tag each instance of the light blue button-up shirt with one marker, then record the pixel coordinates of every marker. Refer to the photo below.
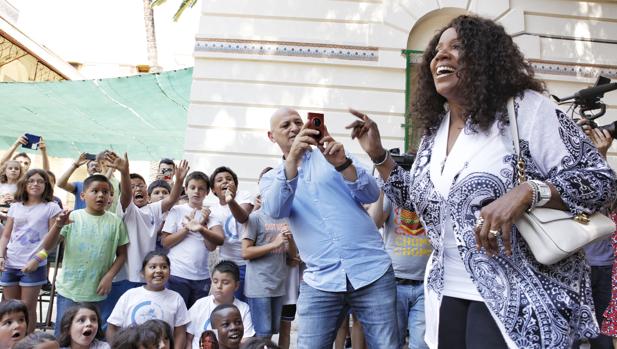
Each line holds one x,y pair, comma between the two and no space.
336,238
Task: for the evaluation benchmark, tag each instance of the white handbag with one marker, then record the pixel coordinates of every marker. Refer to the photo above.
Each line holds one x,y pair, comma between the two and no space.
551,234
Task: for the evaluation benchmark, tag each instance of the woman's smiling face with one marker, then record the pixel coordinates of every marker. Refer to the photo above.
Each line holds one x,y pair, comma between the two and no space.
445,65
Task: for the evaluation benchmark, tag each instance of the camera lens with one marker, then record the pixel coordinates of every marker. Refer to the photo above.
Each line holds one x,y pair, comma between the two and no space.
316,122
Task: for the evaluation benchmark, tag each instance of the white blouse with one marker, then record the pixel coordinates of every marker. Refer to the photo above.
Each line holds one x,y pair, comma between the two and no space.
535,306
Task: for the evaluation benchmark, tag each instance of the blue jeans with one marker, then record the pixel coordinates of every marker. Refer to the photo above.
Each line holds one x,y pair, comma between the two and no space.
62,305
410,314
190,290
321,313
266,315
239,294
117,290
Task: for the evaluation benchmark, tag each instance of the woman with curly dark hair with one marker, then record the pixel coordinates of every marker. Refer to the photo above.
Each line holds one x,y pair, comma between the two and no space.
484,289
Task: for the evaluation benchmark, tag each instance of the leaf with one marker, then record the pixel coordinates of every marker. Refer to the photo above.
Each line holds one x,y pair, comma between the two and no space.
183,6
157,3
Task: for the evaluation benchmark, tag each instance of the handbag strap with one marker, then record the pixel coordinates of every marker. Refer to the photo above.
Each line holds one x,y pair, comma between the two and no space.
520,162
582,218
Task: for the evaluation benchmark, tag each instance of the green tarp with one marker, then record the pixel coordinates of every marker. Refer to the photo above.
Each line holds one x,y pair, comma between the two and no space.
143,114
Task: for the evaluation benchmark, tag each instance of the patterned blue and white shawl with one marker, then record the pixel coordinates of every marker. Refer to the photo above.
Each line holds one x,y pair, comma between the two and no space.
534,305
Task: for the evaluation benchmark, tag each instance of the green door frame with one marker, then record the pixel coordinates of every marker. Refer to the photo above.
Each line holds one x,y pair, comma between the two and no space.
408,121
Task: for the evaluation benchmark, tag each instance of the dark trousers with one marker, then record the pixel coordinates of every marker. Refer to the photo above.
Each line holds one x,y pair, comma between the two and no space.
601,278
467,324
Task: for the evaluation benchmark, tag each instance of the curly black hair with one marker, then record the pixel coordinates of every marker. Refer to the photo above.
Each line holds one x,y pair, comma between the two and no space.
491,70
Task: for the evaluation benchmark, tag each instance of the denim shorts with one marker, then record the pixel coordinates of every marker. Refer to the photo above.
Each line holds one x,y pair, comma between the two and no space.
266,315
14,277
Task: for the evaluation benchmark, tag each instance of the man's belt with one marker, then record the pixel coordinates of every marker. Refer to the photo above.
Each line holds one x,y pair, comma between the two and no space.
400,281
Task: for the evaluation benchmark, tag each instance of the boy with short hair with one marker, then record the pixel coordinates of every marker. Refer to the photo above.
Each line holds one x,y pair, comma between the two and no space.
227,321
24,160
225,281
232,210
143,221
13,322
95,242
75,188
190,234
159,190
103,160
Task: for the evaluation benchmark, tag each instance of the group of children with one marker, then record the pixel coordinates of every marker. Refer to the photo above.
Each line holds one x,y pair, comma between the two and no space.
133,253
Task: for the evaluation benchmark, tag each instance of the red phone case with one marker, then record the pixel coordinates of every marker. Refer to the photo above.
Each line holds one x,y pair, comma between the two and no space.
316,122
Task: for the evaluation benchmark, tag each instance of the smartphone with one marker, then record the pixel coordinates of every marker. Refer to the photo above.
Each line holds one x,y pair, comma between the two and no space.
316,122
90,156
33,142
166,173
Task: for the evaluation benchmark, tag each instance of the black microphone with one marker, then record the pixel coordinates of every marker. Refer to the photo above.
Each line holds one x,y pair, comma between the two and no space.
596,91
601,86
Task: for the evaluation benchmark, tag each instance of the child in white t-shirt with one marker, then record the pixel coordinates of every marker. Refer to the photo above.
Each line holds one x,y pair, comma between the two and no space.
225,281
190,234
142,220
152,301
232,210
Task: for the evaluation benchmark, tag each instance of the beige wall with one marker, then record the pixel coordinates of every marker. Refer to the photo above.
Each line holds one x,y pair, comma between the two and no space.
326,55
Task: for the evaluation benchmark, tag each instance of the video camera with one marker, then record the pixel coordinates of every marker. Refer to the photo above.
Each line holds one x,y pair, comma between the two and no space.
588,100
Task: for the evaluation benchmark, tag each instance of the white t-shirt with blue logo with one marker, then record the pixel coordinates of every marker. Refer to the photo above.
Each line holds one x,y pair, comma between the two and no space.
232,247
139,305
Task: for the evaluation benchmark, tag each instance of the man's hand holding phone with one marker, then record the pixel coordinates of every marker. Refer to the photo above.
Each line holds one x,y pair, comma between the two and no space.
316,122
302,142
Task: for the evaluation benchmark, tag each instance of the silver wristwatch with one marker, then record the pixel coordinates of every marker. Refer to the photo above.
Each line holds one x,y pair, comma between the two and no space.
544,193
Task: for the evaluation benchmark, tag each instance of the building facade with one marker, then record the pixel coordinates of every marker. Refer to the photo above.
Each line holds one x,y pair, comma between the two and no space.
252,57
24,59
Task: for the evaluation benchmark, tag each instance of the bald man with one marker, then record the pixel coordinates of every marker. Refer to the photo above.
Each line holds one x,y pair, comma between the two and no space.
321,190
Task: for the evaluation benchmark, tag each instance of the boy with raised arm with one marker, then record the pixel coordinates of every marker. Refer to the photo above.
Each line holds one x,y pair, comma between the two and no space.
143,221
76,188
